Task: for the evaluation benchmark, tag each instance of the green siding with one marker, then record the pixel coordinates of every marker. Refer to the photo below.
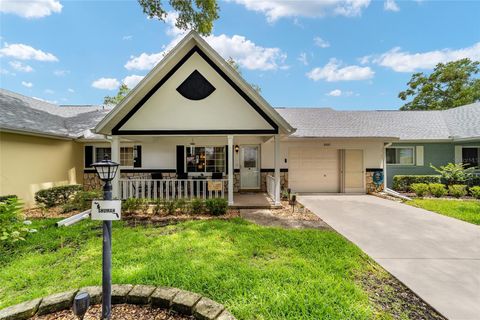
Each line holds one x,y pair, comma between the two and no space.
438,154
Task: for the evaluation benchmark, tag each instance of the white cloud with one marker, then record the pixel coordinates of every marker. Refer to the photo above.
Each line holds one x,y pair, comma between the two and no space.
71,90
132,81
335,71
106,83
245,52
404,61
390,5
319,42
128,37
276,9
303,58
6,72
31,8
335,93
61,73
25,52
27,84
17,65
49,91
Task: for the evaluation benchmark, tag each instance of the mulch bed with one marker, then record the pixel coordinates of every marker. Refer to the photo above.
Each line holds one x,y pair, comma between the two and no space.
298,212
55,212
119,312
163,220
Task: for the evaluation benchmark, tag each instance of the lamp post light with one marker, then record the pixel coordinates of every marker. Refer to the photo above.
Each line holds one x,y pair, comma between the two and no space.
106,171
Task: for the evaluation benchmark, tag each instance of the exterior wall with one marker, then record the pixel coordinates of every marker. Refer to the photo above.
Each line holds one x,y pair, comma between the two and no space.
29,164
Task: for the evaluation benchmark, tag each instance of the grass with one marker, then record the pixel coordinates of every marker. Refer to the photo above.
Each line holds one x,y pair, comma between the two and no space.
466,210
257,272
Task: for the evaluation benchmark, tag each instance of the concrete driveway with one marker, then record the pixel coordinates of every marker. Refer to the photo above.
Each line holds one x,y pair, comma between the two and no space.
436,256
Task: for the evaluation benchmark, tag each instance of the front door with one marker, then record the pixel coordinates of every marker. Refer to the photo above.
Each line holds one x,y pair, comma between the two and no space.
250,167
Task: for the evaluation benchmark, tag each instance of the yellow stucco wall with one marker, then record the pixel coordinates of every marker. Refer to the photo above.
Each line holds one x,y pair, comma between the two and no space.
29,164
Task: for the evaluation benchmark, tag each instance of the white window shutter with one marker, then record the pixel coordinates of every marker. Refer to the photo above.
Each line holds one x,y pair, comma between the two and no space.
419,155
458,154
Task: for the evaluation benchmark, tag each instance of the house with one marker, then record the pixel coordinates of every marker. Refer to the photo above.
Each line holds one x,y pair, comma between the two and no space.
194,127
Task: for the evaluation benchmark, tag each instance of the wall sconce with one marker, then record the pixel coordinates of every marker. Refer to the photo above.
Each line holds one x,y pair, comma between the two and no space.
237,148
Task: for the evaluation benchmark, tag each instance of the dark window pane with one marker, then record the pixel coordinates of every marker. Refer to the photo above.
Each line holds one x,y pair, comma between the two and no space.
470,157
391,156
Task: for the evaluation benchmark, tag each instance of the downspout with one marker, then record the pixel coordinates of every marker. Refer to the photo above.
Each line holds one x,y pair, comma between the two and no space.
385,146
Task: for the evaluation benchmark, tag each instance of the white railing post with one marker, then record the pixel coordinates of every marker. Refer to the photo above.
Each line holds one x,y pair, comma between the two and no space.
277,169
115,157
230,170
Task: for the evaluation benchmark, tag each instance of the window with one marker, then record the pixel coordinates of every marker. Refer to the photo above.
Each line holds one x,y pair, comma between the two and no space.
403,155
126,155
205,159
470,156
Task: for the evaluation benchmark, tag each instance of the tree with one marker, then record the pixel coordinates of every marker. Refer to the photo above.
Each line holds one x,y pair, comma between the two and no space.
236,67
122,92
196,15
450,85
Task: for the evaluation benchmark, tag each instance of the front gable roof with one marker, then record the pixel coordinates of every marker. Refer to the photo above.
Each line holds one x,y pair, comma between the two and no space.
226,103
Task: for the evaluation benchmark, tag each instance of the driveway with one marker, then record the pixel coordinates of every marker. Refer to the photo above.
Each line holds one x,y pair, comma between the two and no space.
436,256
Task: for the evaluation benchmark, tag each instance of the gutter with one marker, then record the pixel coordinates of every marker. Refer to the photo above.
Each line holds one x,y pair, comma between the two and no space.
36,134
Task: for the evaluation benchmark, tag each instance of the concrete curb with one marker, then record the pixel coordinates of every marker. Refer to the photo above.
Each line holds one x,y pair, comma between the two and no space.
181,301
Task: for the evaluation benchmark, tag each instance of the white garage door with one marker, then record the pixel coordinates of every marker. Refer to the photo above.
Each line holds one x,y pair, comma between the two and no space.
313,169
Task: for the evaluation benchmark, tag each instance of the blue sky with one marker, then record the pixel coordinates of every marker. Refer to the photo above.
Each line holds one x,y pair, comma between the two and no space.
345,54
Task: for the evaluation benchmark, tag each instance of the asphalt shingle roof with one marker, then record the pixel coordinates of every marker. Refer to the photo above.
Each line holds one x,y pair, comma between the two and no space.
18,112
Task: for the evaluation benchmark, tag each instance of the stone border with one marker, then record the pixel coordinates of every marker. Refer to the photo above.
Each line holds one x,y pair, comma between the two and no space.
181,301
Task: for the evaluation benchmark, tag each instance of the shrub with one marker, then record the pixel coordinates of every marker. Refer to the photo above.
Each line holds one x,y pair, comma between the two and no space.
457,190
216,206
157,206
131,205
7,197
144,205
11,227
82,200
170,206
403,182
420,189
197,206
437,189
57,195
454,173
182,204
475,192
474,181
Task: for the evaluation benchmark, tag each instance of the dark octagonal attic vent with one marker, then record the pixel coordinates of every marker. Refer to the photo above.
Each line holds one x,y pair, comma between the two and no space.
195,87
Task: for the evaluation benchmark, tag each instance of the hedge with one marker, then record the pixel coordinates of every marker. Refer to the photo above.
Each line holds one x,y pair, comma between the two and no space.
7,197
403,182
56,196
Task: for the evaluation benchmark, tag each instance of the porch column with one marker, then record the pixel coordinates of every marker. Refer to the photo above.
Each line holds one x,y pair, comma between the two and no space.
230,170
115,145
277,169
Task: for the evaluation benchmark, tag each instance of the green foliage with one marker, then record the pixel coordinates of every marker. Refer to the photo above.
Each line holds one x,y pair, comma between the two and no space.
82,200
7,197
475,192
196,15
454,173
157,207
437,189
182,205
11,227
403,182
113,101
236,67
450,85
57,195
457,190
466,210
197,206
144,206
420,189
169,207
131,205
216,206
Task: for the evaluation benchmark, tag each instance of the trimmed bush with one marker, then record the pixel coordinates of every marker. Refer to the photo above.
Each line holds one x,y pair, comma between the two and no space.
57,195
403,182
474,181
420,189
82,200
170,206
457,190
131,205
216,206
437,189
475,192
197,206
8,197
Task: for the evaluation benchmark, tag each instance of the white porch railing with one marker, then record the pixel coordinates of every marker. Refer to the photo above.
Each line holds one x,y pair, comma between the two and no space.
271,186
170,189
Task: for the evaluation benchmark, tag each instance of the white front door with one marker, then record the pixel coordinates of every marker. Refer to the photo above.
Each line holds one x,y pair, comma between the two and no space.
250,167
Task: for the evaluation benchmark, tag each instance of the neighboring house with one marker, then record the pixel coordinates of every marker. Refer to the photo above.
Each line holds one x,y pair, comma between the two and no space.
193,116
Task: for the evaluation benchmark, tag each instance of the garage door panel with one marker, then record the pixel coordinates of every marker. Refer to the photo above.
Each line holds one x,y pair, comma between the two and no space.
313,170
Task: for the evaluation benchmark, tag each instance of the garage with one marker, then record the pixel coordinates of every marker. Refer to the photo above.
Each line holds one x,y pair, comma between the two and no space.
313,169
325,170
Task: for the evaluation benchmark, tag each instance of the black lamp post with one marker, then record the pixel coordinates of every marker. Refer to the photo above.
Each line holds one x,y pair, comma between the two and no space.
106,171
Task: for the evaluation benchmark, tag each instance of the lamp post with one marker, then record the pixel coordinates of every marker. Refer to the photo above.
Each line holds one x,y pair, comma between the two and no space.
106,171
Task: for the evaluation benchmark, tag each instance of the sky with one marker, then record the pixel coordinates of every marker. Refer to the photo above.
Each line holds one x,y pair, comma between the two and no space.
343,54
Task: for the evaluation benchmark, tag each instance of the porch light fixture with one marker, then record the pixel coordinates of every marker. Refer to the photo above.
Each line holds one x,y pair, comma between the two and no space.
106,170
237,148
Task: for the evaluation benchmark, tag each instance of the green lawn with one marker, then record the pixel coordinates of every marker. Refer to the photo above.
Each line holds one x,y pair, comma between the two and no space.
257,272
466,210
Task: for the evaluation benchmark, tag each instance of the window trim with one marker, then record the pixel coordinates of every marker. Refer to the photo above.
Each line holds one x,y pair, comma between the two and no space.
204,173
414,159
94,154
473,147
